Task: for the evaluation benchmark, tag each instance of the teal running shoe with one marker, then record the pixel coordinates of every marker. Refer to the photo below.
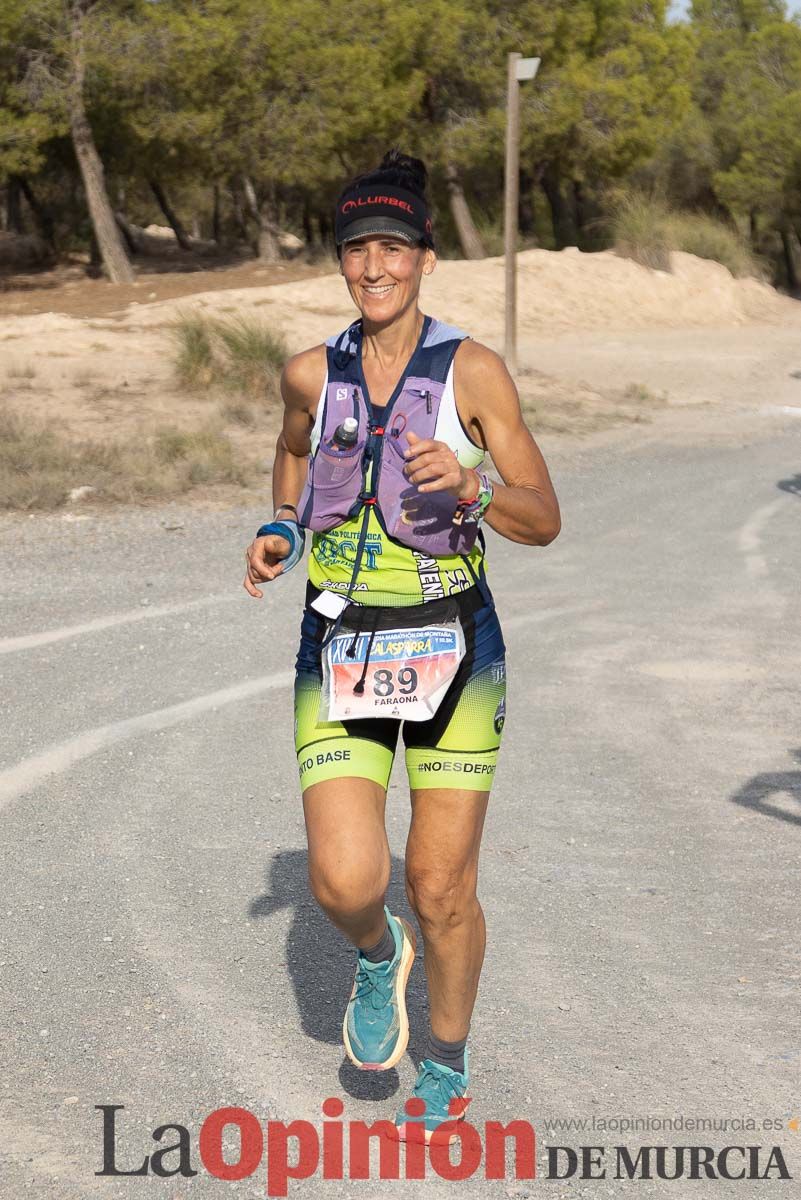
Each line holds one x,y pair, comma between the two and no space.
438,1096
376,1027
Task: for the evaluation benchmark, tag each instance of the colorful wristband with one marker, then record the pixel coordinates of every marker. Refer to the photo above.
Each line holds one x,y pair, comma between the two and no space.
472,511
469,503
294,535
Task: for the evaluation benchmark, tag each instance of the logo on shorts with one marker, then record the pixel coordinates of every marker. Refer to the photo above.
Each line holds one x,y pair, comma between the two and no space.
500,715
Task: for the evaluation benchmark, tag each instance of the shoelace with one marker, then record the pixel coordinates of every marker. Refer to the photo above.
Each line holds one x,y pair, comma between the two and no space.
446,1088
374,987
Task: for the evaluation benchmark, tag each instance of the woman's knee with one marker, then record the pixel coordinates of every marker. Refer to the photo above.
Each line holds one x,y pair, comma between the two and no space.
347,889
439,897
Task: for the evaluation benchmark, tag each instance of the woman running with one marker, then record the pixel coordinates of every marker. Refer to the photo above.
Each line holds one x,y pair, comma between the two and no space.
385,431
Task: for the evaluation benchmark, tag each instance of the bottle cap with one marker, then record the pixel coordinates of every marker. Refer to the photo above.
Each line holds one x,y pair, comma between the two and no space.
350,425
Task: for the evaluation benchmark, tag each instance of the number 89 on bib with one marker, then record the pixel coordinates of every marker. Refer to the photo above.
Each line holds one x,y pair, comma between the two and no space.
408,672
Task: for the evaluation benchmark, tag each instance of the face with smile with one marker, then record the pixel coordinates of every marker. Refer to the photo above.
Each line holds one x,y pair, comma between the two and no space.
383,275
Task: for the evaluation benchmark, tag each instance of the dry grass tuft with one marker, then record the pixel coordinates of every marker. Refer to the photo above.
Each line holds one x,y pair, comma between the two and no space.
20,371
240,355
39,467
239,412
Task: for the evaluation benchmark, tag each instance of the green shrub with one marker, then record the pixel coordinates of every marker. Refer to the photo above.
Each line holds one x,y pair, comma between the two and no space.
647,230
698,234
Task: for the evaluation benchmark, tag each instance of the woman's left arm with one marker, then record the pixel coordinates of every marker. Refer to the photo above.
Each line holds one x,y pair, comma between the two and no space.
525,508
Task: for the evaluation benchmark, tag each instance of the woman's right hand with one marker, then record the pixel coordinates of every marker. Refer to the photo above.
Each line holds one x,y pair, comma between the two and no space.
264,561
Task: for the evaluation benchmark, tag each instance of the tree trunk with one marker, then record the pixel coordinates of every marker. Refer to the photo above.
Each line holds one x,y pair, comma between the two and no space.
580,211
108,236
216,220
181,236
708,200
43,219
95,267
308,227
240,218
15,222
791,260
469,237
133,240
268,248
563,231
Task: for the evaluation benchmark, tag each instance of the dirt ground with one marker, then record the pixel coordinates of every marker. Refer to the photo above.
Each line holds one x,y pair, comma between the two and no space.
68,289
605,344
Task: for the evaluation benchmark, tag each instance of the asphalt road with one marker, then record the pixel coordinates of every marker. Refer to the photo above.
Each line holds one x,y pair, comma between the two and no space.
158,946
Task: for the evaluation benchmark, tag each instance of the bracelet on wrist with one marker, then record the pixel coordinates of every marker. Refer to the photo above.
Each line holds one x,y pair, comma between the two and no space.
472,499
472,511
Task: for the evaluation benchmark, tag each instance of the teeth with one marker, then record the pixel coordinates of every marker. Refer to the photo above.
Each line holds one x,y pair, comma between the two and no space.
379,291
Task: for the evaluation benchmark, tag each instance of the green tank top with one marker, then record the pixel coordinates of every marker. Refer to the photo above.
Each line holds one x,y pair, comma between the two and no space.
390,573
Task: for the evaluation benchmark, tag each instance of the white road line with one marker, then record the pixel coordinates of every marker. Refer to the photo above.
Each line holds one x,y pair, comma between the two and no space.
30,641
55,760
749,538
28,774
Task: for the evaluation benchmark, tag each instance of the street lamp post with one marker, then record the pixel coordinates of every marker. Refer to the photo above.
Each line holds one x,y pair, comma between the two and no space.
519,69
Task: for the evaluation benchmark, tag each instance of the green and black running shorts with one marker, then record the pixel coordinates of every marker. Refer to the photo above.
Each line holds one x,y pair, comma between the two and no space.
456,748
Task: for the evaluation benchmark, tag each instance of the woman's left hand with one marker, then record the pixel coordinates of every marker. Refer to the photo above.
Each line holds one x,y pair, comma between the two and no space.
433,467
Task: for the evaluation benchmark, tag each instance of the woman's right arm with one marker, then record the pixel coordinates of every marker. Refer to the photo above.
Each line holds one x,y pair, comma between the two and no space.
301,383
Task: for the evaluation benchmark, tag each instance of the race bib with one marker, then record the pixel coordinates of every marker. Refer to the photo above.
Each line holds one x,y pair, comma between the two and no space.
408,672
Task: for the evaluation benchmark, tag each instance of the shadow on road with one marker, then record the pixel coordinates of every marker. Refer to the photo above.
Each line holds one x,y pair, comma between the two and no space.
755,793
321,963
792,485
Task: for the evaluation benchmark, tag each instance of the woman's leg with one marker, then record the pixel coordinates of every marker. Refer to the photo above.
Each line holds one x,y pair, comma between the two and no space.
344,770
349,868
349,859
460,746
441,876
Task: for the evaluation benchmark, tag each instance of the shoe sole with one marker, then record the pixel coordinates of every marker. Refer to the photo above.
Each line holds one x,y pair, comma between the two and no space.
400,1131
408,951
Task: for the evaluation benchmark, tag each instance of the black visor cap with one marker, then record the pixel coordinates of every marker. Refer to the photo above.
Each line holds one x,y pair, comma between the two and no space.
382,209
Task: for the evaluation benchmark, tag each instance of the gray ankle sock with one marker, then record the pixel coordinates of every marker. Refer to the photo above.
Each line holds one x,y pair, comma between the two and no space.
383,950
448,1054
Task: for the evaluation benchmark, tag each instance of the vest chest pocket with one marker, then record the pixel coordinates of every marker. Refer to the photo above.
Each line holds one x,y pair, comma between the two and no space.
409,513
332,487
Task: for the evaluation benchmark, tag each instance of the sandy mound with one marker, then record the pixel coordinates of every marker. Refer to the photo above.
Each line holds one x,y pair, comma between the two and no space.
557,293
113,376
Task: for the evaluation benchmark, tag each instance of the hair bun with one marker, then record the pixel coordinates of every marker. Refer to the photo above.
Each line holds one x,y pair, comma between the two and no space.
409,172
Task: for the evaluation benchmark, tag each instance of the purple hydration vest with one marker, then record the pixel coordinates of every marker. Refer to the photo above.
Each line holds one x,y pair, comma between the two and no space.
340,483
